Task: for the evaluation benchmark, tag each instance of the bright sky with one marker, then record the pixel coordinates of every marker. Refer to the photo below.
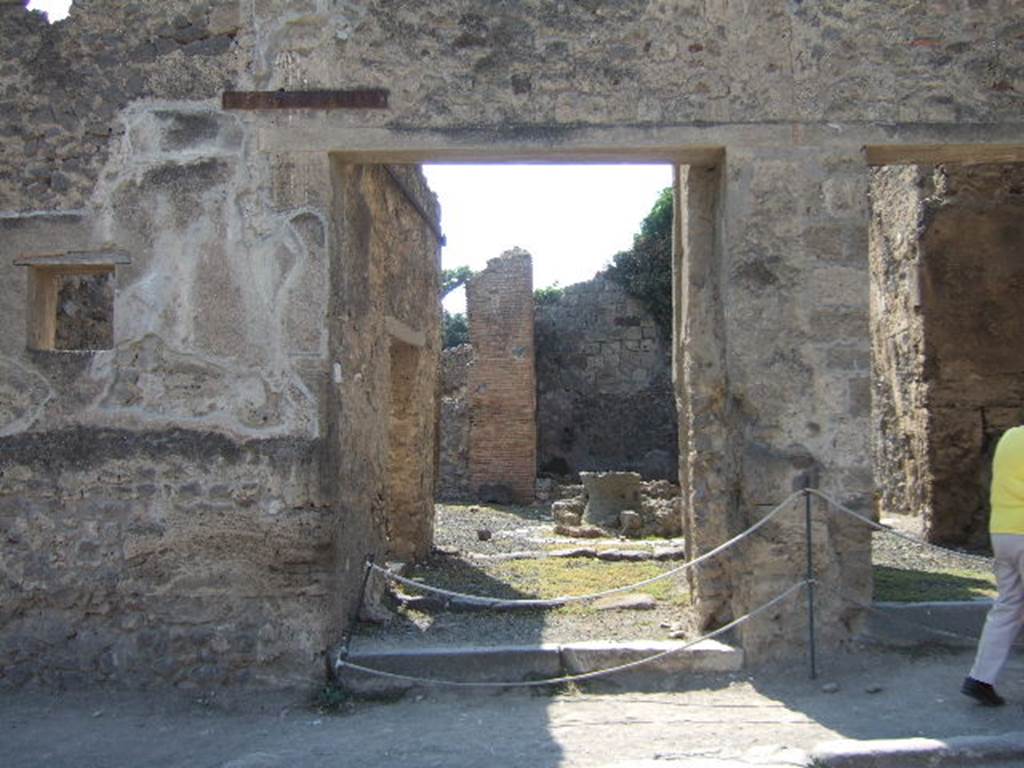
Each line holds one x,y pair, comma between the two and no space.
571,218
55,9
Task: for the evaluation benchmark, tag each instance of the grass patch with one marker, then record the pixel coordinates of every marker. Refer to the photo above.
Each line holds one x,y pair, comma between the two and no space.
554,577
902,585
557,576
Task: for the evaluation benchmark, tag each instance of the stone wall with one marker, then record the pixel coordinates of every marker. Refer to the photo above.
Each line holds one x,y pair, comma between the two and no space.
604,385
453,483
502,384
385,322
172,557
185,499
947,277
240,236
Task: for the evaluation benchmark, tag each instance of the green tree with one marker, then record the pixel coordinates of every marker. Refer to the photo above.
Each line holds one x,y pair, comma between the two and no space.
549,295
454,278
645,270
454,330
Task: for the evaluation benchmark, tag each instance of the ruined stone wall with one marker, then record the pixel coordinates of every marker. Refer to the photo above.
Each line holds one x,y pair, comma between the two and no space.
502,384
453,483
604,385
186,536
170,557
111,133
175,503
948,274
385,343
61,109
774,381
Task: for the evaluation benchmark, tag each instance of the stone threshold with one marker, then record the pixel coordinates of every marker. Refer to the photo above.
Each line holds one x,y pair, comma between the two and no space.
519,663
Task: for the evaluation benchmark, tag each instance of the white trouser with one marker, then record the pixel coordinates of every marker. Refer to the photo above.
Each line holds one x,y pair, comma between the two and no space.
1007,612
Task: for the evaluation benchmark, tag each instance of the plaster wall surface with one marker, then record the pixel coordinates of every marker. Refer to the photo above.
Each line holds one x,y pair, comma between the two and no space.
239,235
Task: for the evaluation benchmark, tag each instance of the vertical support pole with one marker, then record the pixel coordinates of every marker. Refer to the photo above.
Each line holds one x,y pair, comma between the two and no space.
810,582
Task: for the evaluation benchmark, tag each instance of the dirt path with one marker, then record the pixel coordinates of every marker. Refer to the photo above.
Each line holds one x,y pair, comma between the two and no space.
757,719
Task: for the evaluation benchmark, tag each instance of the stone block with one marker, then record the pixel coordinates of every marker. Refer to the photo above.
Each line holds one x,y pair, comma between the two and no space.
567,512
630,521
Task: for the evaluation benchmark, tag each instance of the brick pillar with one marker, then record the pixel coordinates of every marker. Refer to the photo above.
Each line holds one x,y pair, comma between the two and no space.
502,384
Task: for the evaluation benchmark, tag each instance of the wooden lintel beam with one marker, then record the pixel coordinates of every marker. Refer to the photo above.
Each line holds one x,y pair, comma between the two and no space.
358,98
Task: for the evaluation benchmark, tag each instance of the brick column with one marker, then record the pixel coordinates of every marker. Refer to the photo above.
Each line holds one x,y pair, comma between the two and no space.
502,384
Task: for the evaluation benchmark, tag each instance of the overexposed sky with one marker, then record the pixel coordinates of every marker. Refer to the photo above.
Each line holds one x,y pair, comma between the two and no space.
571,218
55,9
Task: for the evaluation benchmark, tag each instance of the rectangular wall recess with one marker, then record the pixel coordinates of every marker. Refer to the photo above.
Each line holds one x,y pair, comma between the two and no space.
71,300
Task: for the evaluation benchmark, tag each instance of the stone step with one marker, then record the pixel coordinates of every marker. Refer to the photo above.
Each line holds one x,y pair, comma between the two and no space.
517,663
955,624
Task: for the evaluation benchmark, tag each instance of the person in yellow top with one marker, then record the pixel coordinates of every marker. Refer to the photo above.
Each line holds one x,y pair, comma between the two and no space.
1006,528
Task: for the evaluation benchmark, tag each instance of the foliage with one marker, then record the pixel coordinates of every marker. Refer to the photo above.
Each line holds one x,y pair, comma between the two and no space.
645,270
549,295
454,330
452,279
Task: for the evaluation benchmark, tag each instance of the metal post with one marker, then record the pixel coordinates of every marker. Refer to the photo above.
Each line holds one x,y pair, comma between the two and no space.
810,582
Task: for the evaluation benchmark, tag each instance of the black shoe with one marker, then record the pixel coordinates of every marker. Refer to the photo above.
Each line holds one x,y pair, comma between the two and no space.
983,693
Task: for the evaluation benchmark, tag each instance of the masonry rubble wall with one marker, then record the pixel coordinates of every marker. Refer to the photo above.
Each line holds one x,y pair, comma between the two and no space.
502,380
604,385
946,279
190,505
111,132
453,483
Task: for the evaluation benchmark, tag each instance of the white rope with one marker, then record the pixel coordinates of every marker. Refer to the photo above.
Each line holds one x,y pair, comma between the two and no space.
554,602
892,532
574,678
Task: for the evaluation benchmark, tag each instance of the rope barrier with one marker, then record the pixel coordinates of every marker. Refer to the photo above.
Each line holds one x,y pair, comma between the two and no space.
555,602
808,582
340,663
887,529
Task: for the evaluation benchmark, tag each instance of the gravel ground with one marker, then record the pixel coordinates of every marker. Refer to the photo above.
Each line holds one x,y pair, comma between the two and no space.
898,553
513,529
530,529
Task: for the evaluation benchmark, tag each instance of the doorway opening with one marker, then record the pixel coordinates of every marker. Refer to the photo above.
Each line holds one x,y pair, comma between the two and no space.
947,276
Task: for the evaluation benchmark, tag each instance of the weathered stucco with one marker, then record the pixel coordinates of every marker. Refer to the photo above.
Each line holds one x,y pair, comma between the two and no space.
266,312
